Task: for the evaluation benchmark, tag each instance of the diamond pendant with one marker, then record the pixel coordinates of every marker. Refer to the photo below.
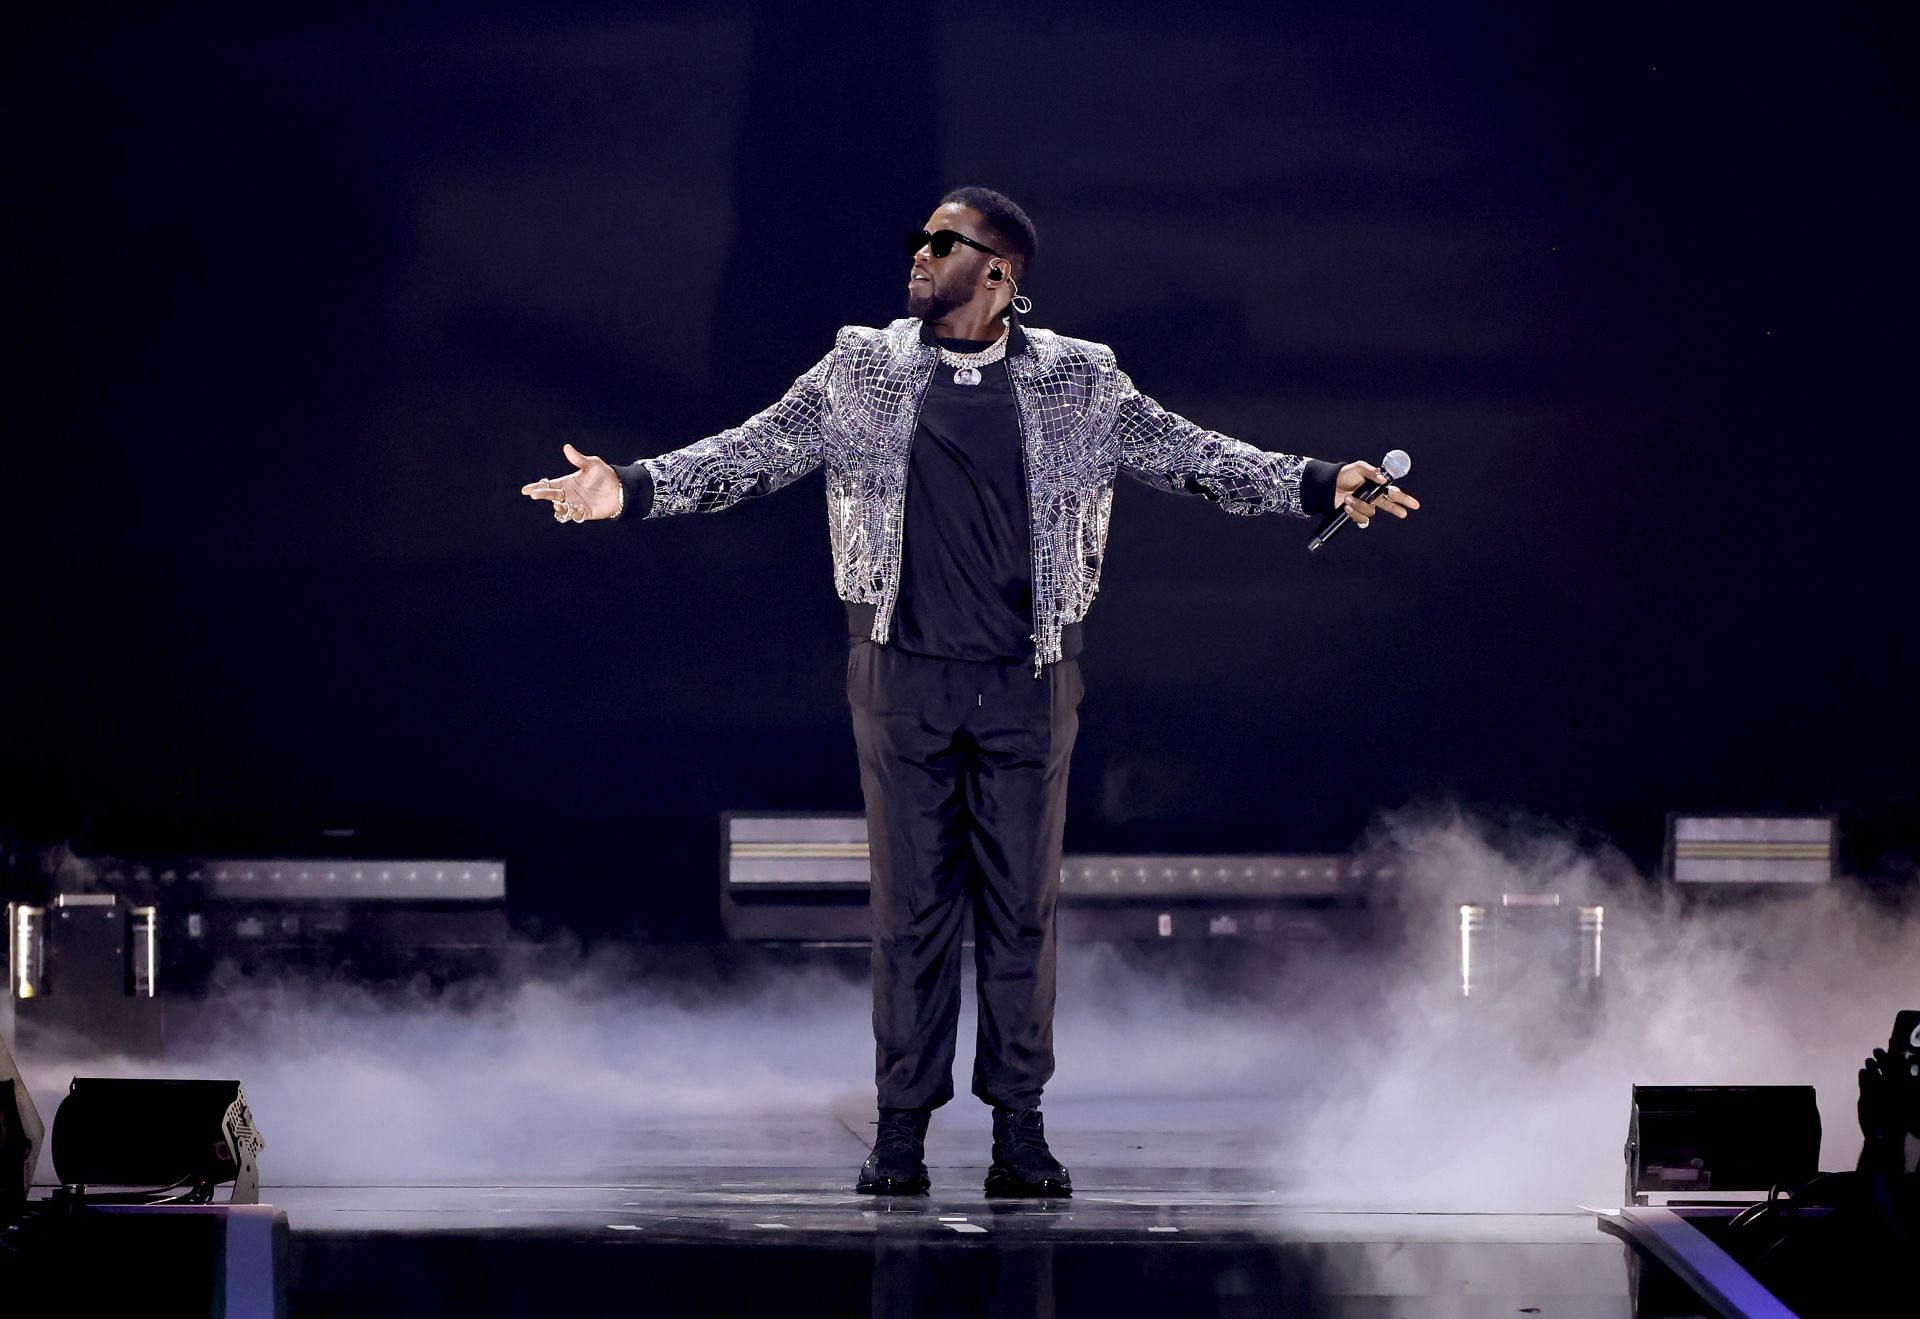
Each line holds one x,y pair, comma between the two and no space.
966,375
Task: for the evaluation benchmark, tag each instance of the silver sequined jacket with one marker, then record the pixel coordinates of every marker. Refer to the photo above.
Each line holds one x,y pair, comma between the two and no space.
1081,420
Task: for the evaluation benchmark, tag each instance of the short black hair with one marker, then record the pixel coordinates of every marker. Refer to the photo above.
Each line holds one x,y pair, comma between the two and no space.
1009,224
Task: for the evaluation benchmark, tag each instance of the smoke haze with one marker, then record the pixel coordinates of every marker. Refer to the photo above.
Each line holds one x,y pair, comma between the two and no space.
1336,1078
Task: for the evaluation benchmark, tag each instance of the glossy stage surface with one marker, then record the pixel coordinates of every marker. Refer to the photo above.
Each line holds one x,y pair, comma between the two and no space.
759,1218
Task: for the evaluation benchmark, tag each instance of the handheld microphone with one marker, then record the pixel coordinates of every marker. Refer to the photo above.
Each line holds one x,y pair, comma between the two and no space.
1395,465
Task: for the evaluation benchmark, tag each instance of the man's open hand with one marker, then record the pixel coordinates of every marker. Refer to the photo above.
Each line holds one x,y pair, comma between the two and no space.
1356,476
589,493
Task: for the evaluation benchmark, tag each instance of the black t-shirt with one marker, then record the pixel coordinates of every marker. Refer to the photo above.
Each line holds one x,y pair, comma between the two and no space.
966,573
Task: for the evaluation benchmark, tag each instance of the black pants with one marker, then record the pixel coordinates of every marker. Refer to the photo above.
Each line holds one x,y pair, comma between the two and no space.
964,771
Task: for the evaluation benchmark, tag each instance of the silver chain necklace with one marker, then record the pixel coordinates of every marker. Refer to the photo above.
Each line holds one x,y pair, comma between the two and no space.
967,365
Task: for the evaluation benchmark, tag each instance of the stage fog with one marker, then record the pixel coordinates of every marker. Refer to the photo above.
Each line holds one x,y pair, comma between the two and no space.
1348,1082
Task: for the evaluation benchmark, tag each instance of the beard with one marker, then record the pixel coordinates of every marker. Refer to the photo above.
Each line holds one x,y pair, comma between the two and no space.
931,306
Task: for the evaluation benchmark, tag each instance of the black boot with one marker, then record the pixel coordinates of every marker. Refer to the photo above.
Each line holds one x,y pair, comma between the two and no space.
898,1164
1022,1163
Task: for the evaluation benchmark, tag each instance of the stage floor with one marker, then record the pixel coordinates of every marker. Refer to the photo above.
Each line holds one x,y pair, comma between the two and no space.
744,1218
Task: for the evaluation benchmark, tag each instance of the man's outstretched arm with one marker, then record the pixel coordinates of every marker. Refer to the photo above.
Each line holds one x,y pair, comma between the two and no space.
770,449
1168,452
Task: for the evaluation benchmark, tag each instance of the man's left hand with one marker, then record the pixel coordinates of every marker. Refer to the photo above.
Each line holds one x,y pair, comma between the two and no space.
1356,476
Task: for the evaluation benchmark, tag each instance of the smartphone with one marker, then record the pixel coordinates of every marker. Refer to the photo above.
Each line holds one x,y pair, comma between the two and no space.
1903,1067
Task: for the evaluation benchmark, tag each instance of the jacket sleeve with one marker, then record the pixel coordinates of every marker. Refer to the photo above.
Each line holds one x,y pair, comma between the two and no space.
766,451
1168,452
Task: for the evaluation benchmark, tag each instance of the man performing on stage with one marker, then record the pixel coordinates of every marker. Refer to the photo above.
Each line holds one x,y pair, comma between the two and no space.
970,465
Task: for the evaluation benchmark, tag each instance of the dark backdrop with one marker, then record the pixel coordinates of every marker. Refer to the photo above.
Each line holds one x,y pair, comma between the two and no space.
299,299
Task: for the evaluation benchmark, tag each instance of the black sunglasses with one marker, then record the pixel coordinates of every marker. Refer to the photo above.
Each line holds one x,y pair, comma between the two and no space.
942,241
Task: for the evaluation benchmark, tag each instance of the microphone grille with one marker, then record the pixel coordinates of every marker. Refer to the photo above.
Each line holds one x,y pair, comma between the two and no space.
1396,464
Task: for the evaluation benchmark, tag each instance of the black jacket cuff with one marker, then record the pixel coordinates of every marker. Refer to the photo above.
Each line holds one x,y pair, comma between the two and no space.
637,482
1317,481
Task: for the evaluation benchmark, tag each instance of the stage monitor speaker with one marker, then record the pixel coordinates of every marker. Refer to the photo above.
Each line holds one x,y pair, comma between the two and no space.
159,1136
1720,1141
20,1134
